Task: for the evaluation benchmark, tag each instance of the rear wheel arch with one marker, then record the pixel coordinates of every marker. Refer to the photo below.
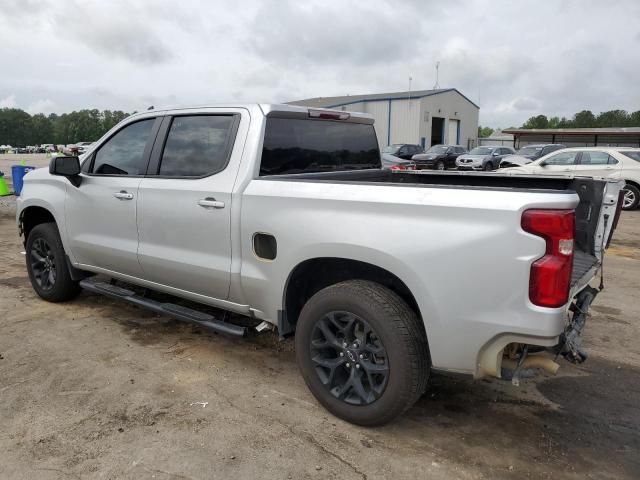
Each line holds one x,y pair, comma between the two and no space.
312,275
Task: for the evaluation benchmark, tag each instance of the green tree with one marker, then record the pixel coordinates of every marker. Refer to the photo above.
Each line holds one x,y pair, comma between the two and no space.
584,119
41,129
485,132
613,118
539,121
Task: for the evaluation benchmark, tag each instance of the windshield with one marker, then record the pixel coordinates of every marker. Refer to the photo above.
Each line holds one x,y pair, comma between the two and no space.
438,149
481,151
391,149
530,151
634,154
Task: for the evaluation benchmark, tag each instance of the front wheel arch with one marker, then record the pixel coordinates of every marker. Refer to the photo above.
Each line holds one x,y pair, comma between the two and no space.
32,216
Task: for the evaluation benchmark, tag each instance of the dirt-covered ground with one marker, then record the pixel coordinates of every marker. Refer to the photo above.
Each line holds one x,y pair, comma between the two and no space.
97,389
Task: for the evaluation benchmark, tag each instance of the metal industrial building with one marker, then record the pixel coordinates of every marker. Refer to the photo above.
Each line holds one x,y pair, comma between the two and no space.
425,117
577,137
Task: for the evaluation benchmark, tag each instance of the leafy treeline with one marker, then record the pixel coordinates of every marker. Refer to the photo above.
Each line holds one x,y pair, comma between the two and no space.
485,132
19,129
586,119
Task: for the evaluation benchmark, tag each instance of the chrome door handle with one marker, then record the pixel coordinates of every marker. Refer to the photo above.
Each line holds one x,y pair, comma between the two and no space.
122,195
210,202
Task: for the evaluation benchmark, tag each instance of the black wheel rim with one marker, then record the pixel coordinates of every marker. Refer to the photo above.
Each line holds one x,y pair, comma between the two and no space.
43,264
349,358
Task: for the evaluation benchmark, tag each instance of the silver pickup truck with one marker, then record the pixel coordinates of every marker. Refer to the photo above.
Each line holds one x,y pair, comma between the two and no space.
283,214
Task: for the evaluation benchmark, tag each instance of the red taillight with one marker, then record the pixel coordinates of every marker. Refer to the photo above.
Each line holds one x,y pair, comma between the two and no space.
403,167
550,276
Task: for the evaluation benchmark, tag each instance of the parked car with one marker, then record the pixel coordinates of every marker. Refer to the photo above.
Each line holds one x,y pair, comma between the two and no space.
439,157
483,158
403,150
391,162
83,147
529,153
282,214
71,149
609,162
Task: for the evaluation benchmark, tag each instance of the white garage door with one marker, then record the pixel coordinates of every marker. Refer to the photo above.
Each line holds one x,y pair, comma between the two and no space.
452,138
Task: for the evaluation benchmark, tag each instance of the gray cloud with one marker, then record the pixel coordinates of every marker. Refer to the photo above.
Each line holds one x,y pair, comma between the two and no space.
517,59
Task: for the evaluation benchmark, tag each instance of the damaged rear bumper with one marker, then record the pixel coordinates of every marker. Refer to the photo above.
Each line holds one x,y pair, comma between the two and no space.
512,356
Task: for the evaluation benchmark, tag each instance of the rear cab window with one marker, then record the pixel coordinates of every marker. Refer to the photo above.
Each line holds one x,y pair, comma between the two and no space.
296,145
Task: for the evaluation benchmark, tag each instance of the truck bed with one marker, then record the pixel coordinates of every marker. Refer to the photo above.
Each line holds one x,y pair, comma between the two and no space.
589,190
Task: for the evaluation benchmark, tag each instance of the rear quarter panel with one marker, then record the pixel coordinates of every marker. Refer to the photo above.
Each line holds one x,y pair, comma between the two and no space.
460,251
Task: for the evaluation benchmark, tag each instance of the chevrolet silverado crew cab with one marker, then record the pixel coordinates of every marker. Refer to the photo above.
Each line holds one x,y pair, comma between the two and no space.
283,214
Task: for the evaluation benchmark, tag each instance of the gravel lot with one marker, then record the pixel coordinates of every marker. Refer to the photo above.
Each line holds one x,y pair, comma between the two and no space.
98,389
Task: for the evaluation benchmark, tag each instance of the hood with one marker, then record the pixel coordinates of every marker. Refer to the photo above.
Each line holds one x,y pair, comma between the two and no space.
516,160
473,157
388,159
516,171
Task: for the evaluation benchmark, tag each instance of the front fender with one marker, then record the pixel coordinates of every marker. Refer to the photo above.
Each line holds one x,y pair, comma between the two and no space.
45,191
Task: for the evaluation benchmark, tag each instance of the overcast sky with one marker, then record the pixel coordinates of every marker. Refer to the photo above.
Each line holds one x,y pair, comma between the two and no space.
515,58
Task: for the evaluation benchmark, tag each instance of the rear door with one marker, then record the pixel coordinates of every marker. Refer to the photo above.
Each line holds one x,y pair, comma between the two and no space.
596,163
185,203
101,212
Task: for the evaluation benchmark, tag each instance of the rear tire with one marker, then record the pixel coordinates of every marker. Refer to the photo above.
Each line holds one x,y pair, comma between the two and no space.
631,197
47,265
363,323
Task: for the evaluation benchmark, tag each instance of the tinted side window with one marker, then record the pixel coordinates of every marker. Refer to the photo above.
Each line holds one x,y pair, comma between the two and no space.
302,146
197,145
123,154
564,158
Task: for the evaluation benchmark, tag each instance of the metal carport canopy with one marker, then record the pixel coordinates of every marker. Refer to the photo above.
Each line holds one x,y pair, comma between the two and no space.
627,136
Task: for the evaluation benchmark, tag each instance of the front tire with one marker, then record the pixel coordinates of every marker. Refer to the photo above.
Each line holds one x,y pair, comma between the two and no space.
362,352
631,197
488,166
47,265
439,165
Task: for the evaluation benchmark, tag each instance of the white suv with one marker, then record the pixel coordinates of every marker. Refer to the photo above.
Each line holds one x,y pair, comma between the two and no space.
613,162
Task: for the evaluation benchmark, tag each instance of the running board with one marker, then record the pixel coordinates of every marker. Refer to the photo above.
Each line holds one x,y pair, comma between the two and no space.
178,312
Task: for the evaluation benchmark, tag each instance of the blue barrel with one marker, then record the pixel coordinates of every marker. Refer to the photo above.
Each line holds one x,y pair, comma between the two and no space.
17,174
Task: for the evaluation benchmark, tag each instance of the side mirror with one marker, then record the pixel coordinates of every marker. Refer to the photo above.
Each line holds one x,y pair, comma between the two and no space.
495,154
543,164
66,167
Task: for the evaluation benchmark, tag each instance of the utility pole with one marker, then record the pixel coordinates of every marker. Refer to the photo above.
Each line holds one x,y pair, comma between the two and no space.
410,90
437,85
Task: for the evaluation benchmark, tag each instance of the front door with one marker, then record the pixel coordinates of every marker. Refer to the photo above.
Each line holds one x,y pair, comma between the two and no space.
560,163
184,205
101,212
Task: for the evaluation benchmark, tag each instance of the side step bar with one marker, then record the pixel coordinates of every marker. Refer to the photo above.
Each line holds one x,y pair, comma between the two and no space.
170,309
